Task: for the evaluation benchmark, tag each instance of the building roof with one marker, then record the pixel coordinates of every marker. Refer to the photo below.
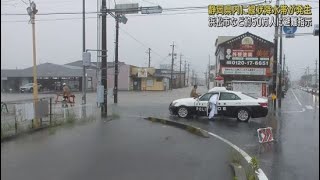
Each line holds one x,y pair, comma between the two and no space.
94,65
46,70
227,39
80,64
222,39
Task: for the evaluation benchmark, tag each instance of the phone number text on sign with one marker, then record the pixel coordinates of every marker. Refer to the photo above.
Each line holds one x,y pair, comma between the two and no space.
247,63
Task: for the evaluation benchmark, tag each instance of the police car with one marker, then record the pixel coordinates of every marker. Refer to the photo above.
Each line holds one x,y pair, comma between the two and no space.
230,104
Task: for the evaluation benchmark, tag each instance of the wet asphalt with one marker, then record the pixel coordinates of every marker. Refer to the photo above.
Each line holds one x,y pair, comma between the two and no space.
293,155
124,148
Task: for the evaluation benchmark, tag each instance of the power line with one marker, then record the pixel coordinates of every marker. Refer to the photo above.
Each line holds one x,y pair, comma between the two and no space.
95,12
143,44
138,15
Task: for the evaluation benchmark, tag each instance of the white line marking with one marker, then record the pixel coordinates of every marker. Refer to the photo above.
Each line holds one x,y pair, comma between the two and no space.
261,175
303,110
296,98
309,107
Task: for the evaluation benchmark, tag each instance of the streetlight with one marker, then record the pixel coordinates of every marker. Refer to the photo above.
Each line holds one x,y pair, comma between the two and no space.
120,11
32,11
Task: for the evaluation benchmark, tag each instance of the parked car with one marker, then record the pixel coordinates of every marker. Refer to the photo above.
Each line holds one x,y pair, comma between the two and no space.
29,87
230,104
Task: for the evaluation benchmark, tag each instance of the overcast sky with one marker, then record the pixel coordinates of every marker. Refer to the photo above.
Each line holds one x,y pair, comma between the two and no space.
59,37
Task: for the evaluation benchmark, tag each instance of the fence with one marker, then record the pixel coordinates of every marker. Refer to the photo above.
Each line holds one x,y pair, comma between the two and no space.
19,116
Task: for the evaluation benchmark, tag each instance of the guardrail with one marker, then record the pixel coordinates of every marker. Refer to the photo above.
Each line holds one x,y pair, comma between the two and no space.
18,117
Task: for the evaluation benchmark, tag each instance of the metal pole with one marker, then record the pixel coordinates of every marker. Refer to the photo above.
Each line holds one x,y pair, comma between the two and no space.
35,81
149,56
280,74
98,45
180,72
50,112
185,69
284,69
188,75
172,62
316,74
275,59
83,50
308,78
104,111
209,74
115,90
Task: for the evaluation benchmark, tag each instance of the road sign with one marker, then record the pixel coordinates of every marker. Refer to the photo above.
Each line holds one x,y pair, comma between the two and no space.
86,58
289,29
151,10
265,135
127,8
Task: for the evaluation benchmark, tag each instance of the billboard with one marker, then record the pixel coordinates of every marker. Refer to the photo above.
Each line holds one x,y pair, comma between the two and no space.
247,53
243,71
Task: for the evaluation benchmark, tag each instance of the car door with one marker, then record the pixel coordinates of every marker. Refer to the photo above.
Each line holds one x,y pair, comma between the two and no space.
228,103
201,104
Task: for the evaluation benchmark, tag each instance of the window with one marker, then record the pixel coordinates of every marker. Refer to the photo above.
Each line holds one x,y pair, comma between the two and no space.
205,97
249,96
229,96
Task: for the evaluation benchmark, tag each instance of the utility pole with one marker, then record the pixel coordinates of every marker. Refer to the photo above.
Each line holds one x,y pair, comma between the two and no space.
188,74
209,73
84,86
185,70
32,11
205,78
149,51
172,62
180,84
284,70
275,59
279,94
104,110
116,62
316,73
196,79
193,79
308,78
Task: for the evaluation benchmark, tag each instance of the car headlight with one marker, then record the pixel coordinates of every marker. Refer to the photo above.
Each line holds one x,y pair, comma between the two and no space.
173,103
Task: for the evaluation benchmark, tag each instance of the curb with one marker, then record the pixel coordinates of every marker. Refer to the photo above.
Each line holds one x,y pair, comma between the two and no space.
8,138
14,136
201,132
189,128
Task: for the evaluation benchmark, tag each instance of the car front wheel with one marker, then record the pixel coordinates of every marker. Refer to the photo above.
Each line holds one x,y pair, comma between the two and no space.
183,112
243,115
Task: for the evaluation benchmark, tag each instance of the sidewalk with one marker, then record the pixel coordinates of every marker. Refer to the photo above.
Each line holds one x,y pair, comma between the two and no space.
124,148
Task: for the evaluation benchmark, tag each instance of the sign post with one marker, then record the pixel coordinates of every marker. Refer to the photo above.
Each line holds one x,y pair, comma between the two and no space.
265,135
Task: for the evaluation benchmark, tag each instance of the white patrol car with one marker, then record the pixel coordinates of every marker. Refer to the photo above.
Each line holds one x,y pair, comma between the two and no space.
230,104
